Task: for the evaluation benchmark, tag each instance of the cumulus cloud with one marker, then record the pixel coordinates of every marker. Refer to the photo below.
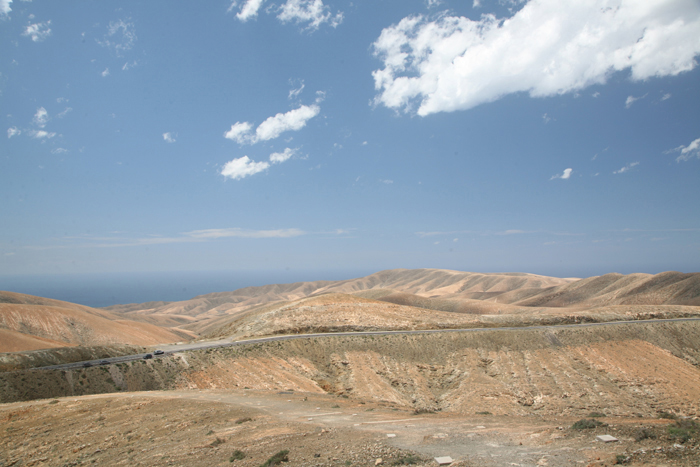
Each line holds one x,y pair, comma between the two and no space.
294,120
120,37
626,168
313,12
687,152
13,131
248,10
279,157
38,31
169,137
546,48
242,167
41,117
564,176
5,7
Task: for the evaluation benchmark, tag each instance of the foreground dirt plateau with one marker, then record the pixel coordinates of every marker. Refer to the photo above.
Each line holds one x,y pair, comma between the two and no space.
208,428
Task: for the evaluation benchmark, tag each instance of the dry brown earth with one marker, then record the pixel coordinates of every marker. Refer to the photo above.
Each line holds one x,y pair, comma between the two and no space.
30,323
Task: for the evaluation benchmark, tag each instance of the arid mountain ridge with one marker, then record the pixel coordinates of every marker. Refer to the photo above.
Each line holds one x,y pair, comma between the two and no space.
387,300
435,289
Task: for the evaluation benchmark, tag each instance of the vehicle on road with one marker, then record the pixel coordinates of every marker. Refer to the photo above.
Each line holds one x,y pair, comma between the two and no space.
87,364
158,352
147,356
104,362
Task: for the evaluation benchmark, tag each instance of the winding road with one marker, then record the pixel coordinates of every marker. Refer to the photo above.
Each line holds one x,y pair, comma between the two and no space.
175,348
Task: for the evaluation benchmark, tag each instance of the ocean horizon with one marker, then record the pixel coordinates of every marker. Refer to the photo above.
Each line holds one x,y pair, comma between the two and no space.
106,289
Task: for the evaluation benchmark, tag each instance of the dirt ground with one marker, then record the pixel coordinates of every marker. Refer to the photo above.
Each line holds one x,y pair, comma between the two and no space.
207,427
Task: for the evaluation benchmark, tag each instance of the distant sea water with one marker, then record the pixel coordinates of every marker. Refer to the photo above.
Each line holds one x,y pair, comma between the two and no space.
100,290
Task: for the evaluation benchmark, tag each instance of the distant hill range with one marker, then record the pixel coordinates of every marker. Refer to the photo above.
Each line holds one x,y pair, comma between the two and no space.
438,290
392,299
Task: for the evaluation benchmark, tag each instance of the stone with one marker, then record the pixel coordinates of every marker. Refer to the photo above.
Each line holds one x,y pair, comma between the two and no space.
606,438
445,460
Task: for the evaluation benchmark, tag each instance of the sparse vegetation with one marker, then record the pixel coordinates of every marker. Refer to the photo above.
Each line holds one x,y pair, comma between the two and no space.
683,430
644,433
667,416
596,415
422,411
407,460
243,420
484,413
237,455
276,459
217,442
621,459
586,424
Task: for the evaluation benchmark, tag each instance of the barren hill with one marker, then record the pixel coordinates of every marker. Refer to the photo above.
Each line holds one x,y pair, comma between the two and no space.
30,323
528,297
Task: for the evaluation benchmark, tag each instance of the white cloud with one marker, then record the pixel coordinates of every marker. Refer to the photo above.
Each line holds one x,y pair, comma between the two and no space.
293,120
271,128
13,131
687,152
432,3
169,137
626,168
294,93
5,7
546,119
41,134
240,132
105,73
548,47
38,31
595,94
59,151
631,100
476,4
120,37
313,12
666,96
279,157
386,182
248,10
564,176
41,117
242,167
128,65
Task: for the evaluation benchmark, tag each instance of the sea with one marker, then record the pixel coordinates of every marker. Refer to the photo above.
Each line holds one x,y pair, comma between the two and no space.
106,289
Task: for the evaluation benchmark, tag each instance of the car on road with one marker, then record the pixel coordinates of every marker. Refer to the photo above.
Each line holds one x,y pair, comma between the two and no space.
158,352
104,362
147,356
87,365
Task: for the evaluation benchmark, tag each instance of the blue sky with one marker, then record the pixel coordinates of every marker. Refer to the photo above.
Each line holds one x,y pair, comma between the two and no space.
559,138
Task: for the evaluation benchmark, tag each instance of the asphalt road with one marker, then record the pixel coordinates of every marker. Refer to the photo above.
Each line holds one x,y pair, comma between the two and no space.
175,348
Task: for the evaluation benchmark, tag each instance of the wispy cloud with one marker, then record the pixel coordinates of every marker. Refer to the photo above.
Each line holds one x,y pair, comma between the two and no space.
169,137
687,152
631,100
626,168
120,37
38,31
294,120
313,12
13,131
41,134
243,233
105,73
279,157
564,176
294,93
546,48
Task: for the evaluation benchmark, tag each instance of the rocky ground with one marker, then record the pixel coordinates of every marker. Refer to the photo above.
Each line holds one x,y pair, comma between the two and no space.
246,428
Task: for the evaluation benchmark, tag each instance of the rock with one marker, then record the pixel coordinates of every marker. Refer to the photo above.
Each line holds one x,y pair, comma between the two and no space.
445,460
378,461
606,438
